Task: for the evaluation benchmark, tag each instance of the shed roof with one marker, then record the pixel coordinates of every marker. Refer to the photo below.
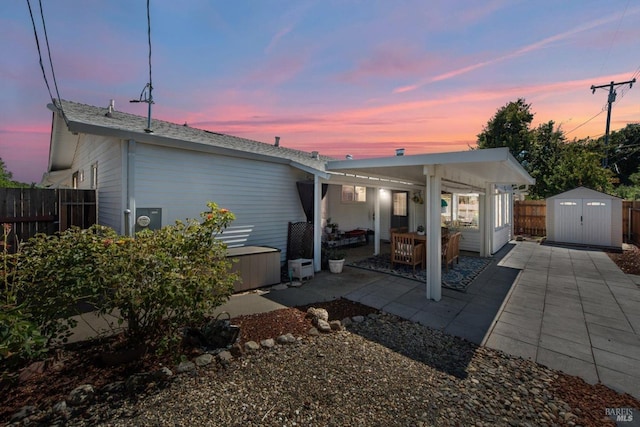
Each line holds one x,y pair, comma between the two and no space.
583,193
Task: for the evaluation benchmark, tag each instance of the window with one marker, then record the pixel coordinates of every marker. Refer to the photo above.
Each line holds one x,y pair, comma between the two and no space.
354,194
400,204
502,210
467,211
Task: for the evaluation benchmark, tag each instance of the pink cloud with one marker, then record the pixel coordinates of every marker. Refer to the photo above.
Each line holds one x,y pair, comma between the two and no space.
276,38
516,53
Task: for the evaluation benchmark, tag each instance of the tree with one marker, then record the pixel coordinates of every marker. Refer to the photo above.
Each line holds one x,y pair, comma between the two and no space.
6,178
580,164
547,144
509,127
556,165
624,152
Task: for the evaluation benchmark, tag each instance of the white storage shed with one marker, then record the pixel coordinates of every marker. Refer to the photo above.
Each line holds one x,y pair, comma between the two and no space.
585,217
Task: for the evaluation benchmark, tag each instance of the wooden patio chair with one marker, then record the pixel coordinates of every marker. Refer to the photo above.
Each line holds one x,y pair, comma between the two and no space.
406,250
395,230
451,250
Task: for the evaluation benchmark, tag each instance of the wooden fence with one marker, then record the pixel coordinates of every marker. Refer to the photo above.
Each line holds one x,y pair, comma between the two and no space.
631,230
529,218
45,210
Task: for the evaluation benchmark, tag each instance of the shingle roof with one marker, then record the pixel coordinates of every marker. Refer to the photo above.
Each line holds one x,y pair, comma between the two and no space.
86,118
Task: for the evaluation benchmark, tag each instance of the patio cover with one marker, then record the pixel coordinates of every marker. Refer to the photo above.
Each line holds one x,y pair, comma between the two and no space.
464,171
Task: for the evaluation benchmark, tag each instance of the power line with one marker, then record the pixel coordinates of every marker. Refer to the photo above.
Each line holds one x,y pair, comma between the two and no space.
610,100
144,96
44,74
585,122
53,73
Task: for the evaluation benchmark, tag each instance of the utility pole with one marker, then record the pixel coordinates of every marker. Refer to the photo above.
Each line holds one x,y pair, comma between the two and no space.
610,100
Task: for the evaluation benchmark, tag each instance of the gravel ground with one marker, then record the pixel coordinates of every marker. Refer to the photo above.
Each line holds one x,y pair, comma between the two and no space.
382,371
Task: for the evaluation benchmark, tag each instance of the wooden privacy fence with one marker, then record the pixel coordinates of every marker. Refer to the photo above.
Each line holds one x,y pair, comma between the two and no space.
631,221
46,210
529,217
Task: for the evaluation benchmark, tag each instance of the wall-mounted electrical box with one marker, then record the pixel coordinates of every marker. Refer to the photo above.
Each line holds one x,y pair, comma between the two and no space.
148,218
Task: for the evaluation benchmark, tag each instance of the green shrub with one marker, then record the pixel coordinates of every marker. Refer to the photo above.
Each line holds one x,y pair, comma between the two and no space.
170,278
57,273
157,282
20,339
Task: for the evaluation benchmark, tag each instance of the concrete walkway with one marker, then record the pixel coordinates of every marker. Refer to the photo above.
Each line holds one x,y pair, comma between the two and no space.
572,310
568,309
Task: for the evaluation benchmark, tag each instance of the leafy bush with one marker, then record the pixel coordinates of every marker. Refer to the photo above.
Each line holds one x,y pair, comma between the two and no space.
20,339
57,273
157,282
170,278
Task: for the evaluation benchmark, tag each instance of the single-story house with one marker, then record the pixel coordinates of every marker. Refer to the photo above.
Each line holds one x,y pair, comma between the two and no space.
170,171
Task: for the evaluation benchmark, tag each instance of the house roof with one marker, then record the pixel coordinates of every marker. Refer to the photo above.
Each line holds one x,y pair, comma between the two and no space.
87,119
460,171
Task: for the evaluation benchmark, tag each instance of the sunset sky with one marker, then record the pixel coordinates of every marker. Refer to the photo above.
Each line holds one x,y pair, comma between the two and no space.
337,76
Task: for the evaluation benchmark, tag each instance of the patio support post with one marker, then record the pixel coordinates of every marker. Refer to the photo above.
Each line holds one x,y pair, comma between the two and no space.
486,212
317,222
434,249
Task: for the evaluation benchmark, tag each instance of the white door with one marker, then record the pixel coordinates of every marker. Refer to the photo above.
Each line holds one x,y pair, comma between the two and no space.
583,221
596,225
568,213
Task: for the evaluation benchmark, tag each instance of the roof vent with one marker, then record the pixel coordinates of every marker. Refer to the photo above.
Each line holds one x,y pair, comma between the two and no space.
111,109
348,157
399,151
314,154
277,143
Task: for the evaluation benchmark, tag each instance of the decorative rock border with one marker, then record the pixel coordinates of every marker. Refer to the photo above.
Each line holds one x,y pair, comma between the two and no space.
85,395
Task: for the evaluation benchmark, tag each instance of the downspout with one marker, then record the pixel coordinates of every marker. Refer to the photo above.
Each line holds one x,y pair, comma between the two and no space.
129,212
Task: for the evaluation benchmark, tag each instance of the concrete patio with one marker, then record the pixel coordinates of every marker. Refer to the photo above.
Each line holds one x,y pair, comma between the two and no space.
568,309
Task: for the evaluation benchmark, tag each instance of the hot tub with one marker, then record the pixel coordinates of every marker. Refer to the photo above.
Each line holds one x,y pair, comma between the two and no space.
258,266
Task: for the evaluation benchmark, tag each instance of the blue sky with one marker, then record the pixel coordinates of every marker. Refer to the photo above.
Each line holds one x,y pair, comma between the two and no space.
357,77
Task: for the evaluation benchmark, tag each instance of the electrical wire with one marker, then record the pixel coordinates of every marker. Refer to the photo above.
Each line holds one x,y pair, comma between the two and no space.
44,74
615,36
585,122
53,73
149,42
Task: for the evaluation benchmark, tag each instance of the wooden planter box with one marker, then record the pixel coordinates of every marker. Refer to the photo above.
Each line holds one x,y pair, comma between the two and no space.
257,266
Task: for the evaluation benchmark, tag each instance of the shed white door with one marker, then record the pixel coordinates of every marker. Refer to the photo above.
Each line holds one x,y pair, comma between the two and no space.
583,221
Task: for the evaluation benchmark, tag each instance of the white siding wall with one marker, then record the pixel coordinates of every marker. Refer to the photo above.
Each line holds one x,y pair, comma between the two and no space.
349,216
470,240
501,237
263,196
107,153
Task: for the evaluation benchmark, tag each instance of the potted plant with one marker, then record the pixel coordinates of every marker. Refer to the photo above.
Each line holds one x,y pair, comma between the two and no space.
331,227
336,261
420,230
